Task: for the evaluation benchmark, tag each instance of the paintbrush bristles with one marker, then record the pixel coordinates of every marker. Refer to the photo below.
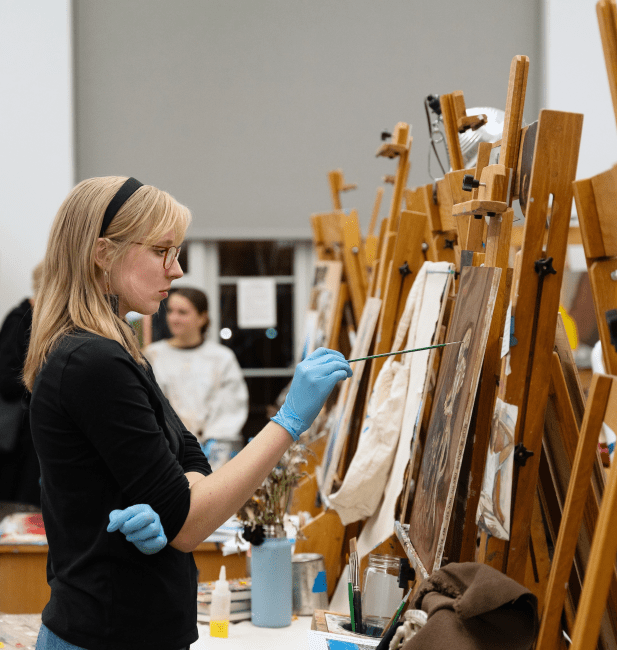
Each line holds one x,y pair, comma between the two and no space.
354,567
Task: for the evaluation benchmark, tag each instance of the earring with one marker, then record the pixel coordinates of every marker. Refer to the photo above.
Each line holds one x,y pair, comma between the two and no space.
107,285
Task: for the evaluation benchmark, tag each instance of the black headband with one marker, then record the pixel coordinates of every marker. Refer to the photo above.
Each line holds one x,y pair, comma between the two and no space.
129,187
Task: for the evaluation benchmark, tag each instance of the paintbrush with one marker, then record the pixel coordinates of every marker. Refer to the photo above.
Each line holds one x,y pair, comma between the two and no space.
389,354
354,574
397,614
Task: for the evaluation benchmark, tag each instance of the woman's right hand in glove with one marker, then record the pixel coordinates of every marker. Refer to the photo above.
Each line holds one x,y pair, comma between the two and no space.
313,381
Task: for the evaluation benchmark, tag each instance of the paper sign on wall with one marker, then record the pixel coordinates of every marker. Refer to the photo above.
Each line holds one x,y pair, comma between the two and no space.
256,303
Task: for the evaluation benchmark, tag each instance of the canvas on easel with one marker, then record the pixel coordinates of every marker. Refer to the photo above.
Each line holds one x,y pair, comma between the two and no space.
452,408
323,304
432,289
495,502
327,472
370,469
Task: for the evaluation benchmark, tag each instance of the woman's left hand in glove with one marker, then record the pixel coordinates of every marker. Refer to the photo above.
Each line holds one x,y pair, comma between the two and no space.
141,526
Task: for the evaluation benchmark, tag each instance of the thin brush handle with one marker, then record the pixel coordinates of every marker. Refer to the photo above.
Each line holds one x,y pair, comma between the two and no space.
357,606
389,354
396,614
351,607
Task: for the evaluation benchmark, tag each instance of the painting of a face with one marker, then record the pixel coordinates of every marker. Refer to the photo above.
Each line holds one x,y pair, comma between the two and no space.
452,406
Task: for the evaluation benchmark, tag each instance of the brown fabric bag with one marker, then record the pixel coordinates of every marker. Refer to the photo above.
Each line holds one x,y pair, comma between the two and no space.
472,606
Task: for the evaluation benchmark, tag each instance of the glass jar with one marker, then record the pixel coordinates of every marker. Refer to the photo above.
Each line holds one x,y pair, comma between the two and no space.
381,594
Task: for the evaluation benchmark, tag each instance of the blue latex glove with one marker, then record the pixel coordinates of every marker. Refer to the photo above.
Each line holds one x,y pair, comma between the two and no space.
141,526
313,381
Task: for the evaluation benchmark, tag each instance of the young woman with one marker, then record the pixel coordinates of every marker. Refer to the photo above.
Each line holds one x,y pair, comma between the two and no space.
19,466
120,473
201,379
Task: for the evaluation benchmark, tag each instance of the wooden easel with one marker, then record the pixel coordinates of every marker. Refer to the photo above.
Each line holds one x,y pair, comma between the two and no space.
471,218
337,236
595,203
535,299
401,250
372,240
601,404
557,475
338,185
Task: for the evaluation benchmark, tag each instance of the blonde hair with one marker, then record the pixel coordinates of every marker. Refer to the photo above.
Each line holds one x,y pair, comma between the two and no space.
37,275
71,294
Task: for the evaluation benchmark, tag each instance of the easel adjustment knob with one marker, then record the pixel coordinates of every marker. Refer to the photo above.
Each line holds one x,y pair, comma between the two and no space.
404,270
521,454
470,183
544,267
385,135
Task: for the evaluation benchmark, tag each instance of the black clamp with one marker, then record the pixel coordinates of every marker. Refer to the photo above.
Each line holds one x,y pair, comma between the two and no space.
521,454
470,183
385,135
434,103
611,320
544,267
404,270
449,243
405,573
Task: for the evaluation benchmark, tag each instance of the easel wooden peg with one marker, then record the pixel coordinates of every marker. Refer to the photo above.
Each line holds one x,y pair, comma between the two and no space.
354,259
496,181
607,20
372,240
455,121
399,146
338,185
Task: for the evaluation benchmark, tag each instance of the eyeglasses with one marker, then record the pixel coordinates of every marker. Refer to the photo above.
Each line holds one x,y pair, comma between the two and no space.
170,253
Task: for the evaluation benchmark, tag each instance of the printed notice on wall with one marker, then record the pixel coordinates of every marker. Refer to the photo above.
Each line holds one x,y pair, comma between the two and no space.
256,303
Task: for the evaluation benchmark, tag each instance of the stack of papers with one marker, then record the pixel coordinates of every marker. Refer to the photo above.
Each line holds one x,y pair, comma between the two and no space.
240,600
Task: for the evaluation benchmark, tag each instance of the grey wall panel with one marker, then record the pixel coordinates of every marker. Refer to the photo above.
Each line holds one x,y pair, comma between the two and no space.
240,108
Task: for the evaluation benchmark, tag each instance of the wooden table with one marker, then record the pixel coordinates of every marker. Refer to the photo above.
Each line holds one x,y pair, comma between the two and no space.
23,576
19,632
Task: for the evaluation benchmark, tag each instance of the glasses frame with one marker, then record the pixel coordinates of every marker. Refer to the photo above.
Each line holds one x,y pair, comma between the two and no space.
174,257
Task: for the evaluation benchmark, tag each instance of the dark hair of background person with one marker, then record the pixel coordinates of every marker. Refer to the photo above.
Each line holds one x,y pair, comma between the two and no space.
198,299
19,467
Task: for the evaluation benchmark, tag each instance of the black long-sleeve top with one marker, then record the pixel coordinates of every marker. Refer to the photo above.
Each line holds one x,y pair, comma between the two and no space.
14,338
107,439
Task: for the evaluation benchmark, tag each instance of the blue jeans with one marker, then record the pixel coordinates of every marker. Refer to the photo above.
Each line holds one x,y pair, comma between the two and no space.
47,640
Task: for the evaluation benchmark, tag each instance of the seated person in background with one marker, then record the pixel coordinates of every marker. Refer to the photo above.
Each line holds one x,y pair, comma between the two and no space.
19,466
202,379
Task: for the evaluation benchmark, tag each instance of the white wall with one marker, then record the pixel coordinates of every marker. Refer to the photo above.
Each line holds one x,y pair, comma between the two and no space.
240,109
576,80
36,115
36,134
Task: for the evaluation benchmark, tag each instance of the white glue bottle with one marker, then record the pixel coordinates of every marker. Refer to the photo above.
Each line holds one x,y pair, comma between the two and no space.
220,606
